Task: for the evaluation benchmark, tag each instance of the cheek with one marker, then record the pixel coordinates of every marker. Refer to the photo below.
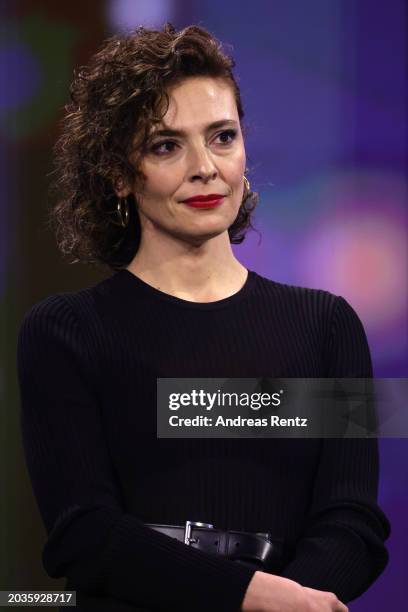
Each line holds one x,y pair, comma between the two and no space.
160,184
237,167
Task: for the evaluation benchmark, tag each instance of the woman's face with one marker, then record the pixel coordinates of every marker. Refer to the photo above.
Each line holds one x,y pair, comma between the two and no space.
199,159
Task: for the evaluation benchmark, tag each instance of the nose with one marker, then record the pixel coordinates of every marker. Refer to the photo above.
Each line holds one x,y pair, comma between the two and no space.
201,164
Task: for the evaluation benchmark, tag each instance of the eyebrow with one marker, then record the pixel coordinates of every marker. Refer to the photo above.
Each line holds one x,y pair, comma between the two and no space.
210,126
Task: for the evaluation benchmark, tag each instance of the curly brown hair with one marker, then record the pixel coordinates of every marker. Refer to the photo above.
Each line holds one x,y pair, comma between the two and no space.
114,102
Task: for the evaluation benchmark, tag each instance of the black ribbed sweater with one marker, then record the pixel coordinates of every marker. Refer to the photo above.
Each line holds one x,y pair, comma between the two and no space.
87,367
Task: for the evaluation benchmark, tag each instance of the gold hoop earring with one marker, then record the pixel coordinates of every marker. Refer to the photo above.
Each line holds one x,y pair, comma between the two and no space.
122,215
247,188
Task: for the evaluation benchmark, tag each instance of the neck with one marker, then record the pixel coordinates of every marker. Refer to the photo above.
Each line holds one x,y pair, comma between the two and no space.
205,272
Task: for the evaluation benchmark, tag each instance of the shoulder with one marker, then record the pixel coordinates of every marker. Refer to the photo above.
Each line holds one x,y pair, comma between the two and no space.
327,314
42,315
66,321
296,299
54,332
324,300
55,345
331,319
57,307
64,307
62,317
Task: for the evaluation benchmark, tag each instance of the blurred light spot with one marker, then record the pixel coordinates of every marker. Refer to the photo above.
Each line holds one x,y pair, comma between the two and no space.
21,76
364,259
42,66
357,247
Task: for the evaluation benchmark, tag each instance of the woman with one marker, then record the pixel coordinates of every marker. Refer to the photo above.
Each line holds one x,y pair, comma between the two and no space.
150,181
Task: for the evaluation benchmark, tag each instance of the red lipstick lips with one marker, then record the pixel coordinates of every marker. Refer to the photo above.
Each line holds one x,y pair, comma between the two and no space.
204,201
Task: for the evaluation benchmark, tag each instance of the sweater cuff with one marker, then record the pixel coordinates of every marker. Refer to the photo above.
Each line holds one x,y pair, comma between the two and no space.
335,559
179,577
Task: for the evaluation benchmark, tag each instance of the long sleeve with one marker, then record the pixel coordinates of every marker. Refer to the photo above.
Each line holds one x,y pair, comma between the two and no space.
91,539
342,546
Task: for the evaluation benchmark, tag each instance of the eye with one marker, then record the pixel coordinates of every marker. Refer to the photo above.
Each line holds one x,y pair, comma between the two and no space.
156,147
230,133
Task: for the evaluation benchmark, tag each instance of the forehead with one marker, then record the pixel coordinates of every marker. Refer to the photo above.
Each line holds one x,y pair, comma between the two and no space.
198,101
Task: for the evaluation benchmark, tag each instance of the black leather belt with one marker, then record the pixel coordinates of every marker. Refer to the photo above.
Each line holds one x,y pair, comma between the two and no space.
246,547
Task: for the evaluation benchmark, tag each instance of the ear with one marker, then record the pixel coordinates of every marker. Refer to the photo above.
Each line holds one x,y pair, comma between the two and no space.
121,187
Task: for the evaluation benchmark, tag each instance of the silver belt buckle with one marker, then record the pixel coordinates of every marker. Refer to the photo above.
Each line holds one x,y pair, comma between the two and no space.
187,530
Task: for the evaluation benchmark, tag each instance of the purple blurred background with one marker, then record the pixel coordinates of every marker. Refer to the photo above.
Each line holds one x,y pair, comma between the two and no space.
324,87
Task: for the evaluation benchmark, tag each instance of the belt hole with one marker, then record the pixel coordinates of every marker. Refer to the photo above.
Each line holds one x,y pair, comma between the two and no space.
215,543
236,543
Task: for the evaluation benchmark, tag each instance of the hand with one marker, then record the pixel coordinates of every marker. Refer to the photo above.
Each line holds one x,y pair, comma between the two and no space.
270,593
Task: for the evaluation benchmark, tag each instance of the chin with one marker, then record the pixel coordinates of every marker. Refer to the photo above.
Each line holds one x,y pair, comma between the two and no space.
211,229
204,233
